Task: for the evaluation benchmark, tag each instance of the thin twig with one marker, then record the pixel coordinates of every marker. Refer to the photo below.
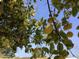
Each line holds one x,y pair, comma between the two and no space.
72,53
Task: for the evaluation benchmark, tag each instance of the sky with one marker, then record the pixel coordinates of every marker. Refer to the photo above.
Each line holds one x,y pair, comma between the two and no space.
42,11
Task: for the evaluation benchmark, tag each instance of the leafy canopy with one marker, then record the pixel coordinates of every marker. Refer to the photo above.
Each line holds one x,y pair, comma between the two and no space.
18,28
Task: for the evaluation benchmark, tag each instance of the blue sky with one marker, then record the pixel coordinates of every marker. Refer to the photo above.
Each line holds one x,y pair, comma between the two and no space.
42,11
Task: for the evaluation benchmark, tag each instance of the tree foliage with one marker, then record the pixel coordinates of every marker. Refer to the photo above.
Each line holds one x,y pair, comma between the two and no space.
18,28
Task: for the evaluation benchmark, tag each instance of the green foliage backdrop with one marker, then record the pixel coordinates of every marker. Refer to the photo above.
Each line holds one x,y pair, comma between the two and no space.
18,28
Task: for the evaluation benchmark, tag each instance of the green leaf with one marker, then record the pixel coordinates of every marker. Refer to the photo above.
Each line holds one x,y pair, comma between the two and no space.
55,37
59,57
56,57
67,26
29,46
64,53
14,48
78,34
60,46
77,28
50,20
58,26
67,6
68,43
45,49
74,11
69,34
64,21
34,0
55,52
48,29
38,37
51,47
63,34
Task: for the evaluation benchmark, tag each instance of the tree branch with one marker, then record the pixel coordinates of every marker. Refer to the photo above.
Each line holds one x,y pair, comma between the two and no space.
56,30
50,15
